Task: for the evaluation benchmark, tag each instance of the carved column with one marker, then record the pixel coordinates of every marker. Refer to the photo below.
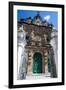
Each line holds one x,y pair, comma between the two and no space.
43,63
46,61
30,62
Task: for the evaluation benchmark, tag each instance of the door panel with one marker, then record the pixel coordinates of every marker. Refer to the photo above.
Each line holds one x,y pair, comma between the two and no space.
37,63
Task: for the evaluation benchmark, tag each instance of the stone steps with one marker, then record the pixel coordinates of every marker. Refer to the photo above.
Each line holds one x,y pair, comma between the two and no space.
38,76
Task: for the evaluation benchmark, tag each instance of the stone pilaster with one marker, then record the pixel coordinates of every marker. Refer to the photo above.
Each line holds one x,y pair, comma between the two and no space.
30,62
46,61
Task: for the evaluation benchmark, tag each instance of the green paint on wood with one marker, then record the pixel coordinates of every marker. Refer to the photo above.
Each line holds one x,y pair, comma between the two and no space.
37,63
49,65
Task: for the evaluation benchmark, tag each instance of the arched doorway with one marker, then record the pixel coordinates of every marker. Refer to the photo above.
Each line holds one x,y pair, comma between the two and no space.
37,63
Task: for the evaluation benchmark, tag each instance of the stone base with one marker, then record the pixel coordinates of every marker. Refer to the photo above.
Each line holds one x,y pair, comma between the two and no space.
39,76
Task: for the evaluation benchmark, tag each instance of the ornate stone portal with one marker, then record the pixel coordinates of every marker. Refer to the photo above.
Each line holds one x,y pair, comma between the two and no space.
40,59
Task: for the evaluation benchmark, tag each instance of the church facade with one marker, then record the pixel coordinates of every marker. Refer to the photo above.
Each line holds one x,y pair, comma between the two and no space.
37,55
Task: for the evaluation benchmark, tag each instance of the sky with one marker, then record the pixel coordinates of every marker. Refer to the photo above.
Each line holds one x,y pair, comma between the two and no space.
50,16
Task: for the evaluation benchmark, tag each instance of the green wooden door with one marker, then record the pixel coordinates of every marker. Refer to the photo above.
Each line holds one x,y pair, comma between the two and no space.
37,63
49,65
